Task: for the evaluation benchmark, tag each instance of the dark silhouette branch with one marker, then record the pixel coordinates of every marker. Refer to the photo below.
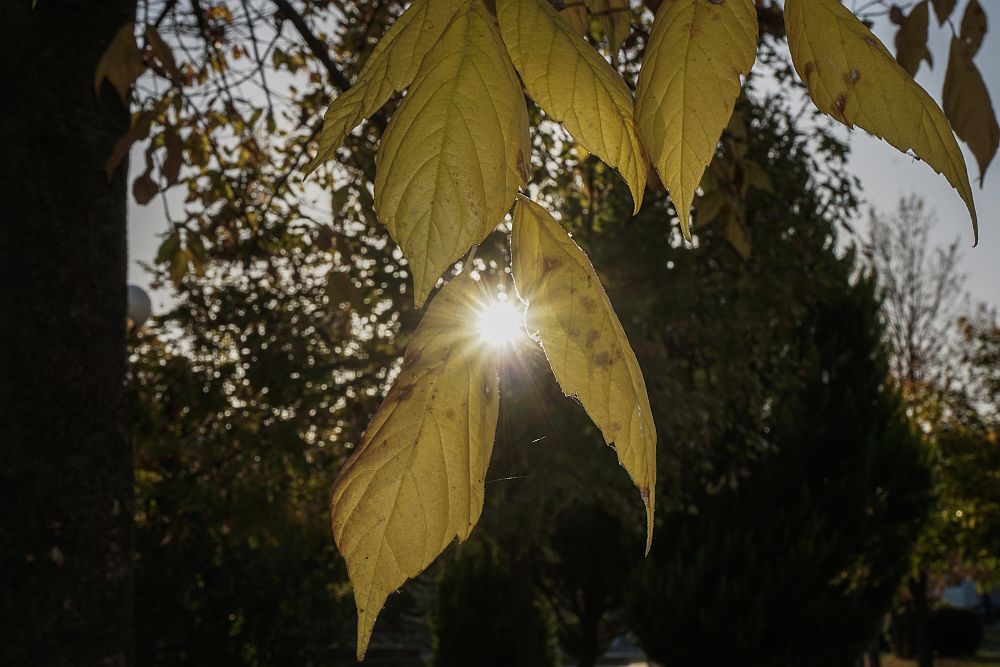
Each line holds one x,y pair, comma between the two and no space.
316,45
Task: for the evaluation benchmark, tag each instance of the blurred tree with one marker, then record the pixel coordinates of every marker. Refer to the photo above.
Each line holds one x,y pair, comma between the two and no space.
244,399
922,293
942,363
812,544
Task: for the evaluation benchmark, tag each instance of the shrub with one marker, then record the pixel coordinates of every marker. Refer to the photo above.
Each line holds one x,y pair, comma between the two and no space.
955,632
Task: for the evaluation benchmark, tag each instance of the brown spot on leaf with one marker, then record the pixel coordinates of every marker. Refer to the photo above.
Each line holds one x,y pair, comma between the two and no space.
870,42
402,392
603,359
411,359
614,427
522,168
588,303
591,338
851,77
550,263
839,104
809,69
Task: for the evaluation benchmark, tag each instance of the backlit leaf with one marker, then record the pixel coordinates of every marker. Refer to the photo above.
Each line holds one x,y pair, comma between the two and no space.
688,85
415,482
852,77
390,68
451,159
574,85
911,39
968,106
570,314
122,63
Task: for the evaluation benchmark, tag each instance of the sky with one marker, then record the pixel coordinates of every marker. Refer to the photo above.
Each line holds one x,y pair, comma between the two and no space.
886,176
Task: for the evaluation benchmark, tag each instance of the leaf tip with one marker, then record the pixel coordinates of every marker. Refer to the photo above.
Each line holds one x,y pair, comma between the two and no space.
365,626
648,500
636,203
685,225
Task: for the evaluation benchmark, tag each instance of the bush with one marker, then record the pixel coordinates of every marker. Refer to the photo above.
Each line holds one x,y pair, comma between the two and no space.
955,632
797,562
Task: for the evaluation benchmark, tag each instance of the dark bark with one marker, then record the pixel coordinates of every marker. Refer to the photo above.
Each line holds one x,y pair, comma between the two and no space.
65,459
918,590
588,651
524,649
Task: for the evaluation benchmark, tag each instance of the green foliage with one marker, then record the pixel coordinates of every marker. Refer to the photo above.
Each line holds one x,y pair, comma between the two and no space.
813,542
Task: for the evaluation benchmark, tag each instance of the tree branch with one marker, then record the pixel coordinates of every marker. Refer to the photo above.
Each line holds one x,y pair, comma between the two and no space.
316,45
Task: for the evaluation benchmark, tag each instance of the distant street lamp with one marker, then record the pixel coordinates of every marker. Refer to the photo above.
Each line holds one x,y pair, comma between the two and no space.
139,307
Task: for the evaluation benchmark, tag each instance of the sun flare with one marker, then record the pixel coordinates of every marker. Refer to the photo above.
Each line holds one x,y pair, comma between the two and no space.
501,323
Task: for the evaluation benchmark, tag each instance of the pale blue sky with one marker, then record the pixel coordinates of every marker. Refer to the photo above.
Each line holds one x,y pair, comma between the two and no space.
886,175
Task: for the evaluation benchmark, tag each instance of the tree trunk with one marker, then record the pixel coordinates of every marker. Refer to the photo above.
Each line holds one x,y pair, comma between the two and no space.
525,648
918,590
65,459
588,652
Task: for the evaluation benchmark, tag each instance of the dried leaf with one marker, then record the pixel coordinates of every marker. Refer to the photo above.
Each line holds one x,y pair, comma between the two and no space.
968,106
911,39
121,63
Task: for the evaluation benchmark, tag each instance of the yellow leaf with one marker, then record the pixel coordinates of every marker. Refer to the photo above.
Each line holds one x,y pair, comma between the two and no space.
968,106
577,17
852,77
570,314
574,85
911,39
688,85
616,15
121,63
390,68
416,481
451,159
